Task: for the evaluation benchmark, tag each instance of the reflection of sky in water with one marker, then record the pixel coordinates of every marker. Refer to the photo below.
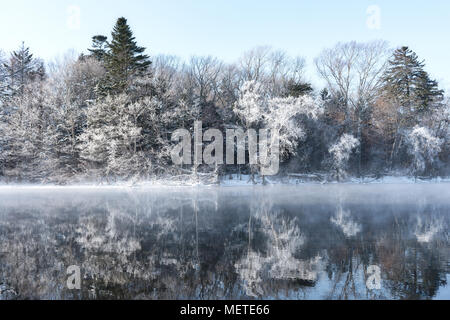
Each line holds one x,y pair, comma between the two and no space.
444,291
305,242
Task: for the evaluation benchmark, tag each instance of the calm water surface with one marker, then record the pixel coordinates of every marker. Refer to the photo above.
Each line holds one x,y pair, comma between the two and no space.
302,242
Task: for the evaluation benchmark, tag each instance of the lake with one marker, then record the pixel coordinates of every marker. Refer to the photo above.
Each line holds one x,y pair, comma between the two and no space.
373,241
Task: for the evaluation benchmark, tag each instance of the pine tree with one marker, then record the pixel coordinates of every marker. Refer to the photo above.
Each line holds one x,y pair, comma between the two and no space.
125,58
408,82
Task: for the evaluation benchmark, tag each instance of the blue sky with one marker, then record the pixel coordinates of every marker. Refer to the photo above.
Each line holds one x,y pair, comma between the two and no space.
228,28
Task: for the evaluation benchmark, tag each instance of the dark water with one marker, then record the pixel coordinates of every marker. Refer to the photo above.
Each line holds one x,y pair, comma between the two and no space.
303,242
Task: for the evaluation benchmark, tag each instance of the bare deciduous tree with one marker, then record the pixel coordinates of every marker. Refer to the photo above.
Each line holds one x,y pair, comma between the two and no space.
203,73
353,71
274,69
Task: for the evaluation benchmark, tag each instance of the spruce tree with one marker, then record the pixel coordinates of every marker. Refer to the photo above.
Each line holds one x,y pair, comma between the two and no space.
427,92
21,69
406,80
413,93
125,58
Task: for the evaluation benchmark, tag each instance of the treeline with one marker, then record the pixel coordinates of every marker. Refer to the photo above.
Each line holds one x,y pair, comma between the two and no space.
109,114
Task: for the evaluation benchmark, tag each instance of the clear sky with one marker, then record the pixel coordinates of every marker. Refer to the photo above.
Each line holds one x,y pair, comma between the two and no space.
228,28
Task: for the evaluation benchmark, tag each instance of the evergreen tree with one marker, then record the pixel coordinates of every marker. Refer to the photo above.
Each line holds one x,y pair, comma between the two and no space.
21,69
125,58
412,93
408,82
298,89
25,133
99,47
428,92
3,78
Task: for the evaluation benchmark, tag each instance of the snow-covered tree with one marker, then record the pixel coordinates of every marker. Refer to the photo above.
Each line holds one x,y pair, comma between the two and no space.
423,147
340,153
3,86
3,78
67,90
279,115
21,69
282,116
60,126
251,103
22,113
353,73
109,142
24,134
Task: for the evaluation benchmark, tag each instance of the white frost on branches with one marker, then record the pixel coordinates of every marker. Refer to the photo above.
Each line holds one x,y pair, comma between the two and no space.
341,152
279,114
110,140
424,147
252,102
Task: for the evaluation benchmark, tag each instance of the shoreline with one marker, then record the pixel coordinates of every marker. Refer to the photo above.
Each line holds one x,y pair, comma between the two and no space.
225,182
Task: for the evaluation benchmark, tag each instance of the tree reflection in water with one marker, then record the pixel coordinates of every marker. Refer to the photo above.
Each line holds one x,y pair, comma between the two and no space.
311,242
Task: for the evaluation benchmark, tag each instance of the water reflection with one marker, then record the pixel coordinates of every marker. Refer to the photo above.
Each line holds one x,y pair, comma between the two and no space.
313,242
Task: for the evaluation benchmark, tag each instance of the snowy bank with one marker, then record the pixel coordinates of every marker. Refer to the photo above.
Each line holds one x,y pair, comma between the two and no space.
232,181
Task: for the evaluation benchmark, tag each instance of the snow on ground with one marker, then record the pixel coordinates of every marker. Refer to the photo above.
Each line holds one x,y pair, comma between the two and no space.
231,181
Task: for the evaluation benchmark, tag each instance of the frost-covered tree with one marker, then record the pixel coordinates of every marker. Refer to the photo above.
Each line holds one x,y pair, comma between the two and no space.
21,69
79,78
279,115
423,147
340,153
109,144
22,106
3,86
24,134
282,116
3,78
61,127
251,103
69,88
353,73
410,93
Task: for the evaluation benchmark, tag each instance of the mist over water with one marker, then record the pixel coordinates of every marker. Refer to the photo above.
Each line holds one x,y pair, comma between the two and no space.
283,242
